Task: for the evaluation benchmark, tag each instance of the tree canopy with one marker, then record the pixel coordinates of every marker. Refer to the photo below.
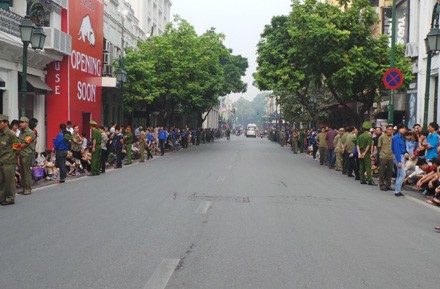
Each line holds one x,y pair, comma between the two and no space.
323,55
180,70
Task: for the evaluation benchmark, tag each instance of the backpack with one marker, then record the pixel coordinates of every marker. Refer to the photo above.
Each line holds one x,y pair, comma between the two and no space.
59,144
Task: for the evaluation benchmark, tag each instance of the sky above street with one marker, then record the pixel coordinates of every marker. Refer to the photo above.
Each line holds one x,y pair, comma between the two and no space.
242,21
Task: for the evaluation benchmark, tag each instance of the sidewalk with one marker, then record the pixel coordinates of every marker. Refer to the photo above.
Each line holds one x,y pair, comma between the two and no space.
410,190
43,183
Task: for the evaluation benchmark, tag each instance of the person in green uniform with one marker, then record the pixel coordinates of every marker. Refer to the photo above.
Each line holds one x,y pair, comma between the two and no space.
344,151
142,142
301,138
9,151
386,164
294,141
96,149
128,141
322,146
27,140
364,143
350,145
338,149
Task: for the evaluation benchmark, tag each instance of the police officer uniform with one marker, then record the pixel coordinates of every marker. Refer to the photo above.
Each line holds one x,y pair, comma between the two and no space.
27,140
9,149
364,143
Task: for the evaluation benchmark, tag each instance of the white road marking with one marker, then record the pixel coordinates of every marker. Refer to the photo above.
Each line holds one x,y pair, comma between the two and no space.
162,275
423,203
203,208
221,179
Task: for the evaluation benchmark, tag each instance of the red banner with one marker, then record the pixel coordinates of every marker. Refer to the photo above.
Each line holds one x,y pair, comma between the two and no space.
76,81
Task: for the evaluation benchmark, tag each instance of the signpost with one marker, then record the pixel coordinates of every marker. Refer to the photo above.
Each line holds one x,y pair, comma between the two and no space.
393,79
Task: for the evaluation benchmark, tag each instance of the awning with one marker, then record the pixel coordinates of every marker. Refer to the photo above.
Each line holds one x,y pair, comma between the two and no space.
37,83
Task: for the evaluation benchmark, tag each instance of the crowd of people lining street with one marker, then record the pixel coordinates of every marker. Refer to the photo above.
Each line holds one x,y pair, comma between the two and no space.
73,154
406,156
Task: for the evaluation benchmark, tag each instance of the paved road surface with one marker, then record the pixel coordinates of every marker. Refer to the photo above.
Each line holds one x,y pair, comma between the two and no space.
243,214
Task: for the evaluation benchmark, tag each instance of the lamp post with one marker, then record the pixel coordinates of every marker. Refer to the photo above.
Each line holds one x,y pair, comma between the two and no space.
432,42
34,35
121,77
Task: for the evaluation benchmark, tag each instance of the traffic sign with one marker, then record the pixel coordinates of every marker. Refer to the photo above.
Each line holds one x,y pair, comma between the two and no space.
393,78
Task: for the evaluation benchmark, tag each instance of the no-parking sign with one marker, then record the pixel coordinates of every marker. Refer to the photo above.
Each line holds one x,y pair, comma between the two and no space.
393,78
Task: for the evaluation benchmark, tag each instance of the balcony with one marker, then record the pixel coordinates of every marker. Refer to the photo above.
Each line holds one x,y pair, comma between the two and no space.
62,3
58,41
9,22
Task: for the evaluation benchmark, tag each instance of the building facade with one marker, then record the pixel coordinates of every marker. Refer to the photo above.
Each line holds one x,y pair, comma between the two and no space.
73,77
57,46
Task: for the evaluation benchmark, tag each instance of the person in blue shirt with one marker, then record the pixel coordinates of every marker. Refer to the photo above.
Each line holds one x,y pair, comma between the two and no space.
399,150
431,143
314,142
150,144
163,136
175,137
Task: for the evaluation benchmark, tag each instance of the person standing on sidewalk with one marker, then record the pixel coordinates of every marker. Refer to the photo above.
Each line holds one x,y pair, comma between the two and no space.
364,143
398,145
322,146
294,141
337,142
9,150
61,145
118,140
96,149
142,143
27,139
128,141
384,146
432,142
163,136
330,137
350,145
104,148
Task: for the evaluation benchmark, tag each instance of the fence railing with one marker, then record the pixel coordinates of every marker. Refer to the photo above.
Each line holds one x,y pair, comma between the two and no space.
9,22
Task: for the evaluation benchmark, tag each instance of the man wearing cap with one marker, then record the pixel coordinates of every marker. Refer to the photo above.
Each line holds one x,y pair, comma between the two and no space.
9,149
96,149
364,143
337,142
27,140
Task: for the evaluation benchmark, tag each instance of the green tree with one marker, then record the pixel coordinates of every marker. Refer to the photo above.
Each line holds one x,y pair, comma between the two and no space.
321,56
183,71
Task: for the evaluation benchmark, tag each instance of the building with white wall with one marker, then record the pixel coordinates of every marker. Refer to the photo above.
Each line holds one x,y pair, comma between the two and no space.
125,23
153,15
57,45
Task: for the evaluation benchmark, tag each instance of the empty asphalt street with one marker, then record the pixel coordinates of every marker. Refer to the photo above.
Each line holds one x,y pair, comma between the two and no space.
238,214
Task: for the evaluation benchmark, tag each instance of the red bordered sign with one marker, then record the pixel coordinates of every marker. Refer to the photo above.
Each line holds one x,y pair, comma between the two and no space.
393,78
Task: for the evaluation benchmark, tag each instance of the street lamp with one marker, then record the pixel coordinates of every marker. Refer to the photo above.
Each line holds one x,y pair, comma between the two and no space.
121,77
432,42
34,35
